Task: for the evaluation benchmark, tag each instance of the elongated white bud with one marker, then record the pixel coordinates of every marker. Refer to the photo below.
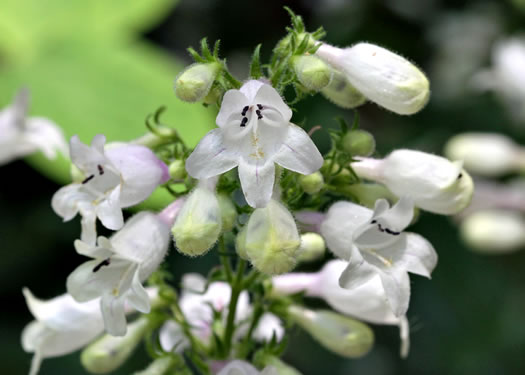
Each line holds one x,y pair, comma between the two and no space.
312,247
194,83
341,92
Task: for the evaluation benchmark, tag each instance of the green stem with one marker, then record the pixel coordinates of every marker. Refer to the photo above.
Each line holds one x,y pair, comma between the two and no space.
231,79
237,287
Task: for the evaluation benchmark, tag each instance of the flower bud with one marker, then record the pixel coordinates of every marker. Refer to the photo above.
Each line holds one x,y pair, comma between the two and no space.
359,143
312,247
177,170
110,352
198,223
434,183
368,193
311,183
160,366
262,359
341,92
194,82
487,154
494,231
271,241
312,72
340,334
228,212
381,75
213,96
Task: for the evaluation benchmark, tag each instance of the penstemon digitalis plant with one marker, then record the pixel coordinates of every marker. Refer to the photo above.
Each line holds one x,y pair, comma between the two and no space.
257,191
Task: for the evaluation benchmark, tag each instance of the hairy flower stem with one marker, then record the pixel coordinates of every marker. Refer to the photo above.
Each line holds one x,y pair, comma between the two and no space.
237,287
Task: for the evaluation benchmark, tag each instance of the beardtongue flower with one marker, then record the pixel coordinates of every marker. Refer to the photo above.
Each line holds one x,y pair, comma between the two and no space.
119,267
254,133
374,244
114,179
21,135
434,183
367,302
238,367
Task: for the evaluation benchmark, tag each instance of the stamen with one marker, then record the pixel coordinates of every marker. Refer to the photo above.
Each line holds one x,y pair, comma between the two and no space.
259,116
105,262
259,106
244,121
460,175
100,170
387,230
87,179
244,110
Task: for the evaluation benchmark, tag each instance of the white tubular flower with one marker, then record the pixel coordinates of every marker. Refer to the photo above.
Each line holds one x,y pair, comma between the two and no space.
382,76
238,367
119,267
269,326
367,302
117,178
494,231
254,133
21,135
434,183
373,243
486,154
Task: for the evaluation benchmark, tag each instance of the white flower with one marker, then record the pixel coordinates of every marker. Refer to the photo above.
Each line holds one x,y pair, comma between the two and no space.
238,367
21,135
117,178
373,243
269,326
119,267
367,302
382,76
254,133
434,183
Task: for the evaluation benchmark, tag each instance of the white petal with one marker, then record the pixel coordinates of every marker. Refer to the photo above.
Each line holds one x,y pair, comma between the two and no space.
86,157
65,201
194,282
91,251
250,89
137,297
232,103
238,367
172,338
419,256
46,136
298,152
210,157
399,216
109,211
113,313
268,326
267,95
397,289
257,182
89,227
357,272
404,333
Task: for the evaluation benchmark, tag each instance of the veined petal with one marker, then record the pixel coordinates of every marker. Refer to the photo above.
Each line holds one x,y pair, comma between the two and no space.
137,296
298,152
357,272
257,182
233,101
210,157
267,95
397,289
114,316
109,211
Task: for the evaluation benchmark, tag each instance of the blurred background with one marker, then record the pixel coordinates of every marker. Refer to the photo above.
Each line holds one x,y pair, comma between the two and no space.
102,66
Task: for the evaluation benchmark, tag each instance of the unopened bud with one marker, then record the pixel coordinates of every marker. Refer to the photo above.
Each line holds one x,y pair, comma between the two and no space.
198,223
311,71
312,183
110,352
177,170
359,143
340,334
194,82
271,240
262,359
160,366
213,96
494,231
228,212
381,75
341,92
312,247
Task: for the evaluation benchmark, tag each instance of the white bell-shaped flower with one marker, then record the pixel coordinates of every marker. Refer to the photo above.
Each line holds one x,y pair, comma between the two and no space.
382,76
434,183
373,243
116,178
238,367
119,267
254,133
21,135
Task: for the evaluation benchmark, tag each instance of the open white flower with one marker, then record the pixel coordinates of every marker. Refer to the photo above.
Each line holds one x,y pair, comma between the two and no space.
21,135
373,243
367,302
254,133
116,178
238,367
119,267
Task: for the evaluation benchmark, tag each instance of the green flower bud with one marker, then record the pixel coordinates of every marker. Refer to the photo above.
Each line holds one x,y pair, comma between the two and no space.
160,366
359,143
240,244
341,92
177,170
280,368
271,241
194,82
368,193
213,96
110,352
312,183
340,334
198,224
312,72
228,212
312,247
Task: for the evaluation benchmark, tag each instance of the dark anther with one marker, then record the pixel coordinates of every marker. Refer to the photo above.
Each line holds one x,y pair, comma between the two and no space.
381,229
259,116
460,175
105,262
244,121
87,179
244,110
374,221
259,106
100,170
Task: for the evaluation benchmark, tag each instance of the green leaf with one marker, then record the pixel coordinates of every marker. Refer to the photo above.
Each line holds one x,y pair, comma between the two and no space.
255,66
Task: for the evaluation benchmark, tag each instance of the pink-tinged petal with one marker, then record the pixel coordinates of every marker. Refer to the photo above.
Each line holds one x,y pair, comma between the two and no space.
232,103
109,211
114,316
357,272
137,297
397,289
210,157
267,95
257,182
141,172
298,152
